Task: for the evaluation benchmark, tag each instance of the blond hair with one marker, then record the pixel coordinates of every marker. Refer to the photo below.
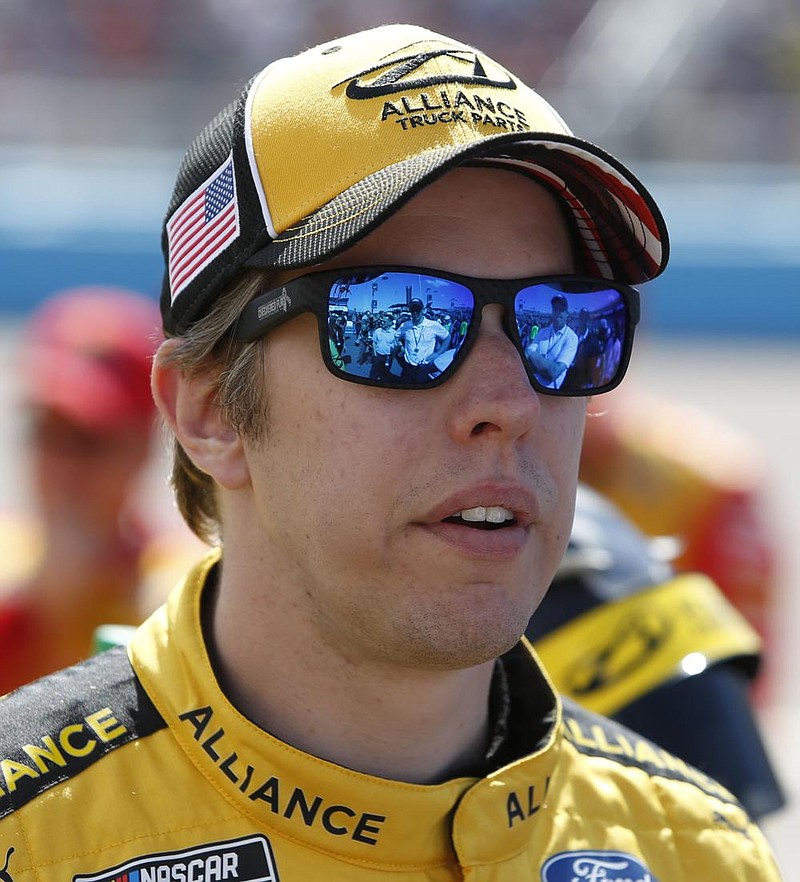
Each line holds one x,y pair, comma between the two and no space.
208,348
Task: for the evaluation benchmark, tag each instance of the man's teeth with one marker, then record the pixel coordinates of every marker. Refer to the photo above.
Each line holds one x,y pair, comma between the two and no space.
494,514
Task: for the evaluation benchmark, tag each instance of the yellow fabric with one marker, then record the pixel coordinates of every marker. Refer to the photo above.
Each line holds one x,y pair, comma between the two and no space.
210,776
638,452
617,652
21,549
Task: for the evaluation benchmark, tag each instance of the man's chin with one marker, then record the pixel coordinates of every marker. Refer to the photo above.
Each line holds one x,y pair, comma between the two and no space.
467,643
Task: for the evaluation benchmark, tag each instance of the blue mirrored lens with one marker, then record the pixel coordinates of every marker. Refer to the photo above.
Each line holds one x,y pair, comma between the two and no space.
572,339
406,327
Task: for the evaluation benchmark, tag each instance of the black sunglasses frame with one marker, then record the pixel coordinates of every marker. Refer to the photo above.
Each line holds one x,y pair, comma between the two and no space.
311,293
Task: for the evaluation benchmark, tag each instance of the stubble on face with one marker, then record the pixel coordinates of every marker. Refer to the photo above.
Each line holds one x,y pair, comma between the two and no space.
346,472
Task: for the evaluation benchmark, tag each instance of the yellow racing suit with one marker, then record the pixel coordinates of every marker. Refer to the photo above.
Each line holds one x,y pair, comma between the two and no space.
134,767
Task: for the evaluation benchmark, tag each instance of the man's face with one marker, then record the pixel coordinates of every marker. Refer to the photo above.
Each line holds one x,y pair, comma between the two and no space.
559,317
355,489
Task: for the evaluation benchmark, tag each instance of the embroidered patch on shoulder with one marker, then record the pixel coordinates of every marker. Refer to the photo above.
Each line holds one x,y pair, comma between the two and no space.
610,866
238,860
55,728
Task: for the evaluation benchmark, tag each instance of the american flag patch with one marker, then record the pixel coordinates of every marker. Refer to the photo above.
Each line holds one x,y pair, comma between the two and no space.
204,225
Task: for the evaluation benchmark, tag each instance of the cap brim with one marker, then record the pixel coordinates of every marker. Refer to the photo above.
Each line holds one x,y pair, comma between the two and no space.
622,231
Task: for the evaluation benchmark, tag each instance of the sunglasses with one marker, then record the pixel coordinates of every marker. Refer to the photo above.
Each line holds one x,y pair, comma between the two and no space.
574,334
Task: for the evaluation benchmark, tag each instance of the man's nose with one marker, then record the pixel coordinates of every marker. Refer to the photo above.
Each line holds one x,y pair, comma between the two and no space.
491,390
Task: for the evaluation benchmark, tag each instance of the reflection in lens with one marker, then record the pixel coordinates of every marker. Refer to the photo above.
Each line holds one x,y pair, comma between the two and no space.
573,339
397,326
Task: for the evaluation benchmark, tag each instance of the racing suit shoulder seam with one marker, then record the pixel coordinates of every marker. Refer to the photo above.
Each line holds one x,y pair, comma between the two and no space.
594,735
54,728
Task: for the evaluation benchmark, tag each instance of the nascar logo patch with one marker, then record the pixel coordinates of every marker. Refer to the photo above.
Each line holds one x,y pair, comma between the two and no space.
237,860
595,866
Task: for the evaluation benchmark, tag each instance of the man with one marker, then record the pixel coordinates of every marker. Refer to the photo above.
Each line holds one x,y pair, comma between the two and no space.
81,560
586,355
384,346
553,350
341,692
421,339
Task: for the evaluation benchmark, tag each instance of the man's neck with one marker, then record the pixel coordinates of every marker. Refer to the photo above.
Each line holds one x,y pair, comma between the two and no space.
418,726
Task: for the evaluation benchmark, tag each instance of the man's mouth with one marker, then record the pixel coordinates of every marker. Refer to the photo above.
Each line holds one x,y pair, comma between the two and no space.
489,517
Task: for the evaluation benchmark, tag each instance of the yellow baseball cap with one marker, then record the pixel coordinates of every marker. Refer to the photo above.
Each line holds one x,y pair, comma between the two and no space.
321,147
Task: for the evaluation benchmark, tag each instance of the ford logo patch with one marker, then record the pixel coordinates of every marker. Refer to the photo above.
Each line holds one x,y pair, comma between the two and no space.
595,866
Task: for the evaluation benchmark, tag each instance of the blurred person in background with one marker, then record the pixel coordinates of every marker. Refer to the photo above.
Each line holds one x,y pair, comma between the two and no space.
89,417
624,634
710,495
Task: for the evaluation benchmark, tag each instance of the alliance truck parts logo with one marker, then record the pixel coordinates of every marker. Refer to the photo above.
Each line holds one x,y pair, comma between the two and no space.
426,80
237,860
409,73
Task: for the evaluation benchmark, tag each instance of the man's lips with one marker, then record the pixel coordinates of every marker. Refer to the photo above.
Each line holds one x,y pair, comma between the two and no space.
499,544
481,535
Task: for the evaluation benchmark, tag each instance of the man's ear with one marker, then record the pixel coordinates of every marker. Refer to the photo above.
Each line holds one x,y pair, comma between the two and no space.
187,405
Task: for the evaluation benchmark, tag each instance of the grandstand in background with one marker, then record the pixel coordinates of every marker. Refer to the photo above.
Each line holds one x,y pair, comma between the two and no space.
701,97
